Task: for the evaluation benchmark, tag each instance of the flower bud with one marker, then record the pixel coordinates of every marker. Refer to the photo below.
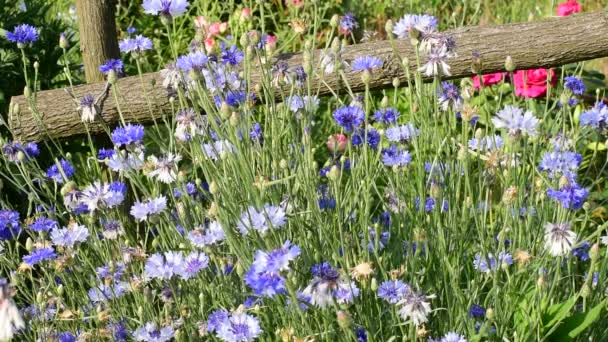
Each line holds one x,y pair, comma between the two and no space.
334,173
63,41
29,244
490,314
396,82
366,76
509,64
476,63
335,21
336,45
283,164
235,119
336,143
388,27
594,252
213,188
36,65
244,40
374,284
245,14
112,77
27,92
384,102
225,110
585,291
344,319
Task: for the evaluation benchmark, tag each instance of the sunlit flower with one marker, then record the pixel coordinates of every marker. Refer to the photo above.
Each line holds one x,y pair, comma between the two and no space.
559,238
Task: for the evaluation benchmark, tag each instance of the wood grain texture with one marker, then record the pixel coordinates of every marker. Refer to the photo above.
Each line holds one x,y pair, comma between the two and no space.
547,43
98,39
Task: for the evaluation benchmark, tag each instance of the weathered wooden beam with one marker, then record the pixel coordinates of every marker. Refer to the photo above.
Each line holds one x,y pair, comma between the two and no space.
547,43
98,39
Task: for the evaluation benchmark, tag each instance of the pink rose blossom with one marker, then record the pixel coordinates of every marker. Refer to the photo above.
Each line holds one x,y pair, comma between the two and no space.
209,45
568,7
245,14
533,83
489,79
214,29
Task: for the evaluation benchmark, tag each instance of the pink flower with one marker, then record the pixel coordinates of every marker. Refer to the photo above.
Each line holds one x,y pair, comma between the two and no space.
245,14
209,45
271,41
533,83
294,3
214,29
337,143
201,23
568,7
223,27
489,79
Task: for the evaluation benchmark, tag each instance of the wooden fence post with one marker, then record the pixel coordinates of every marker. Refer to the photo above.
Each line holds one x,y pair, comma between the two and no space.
98,40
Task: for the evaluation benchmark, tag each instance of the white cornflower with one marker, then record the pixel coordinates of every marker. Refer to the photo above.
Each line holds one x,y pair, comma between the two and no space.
331,61
217,149
437,62
559,238
415,307
164,168
188,125
171,76
10,318
88,108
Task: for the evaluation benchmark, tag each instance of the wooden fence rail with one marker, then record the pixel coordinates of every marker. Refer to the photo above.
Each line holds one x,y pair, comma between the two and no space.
547,43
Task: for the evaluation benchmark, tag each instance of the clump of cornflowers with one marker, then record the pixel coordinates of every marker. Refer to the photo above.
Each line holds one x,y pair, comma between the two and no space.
488,263
165,8
370,135
154,206
571,195
402,134
328,286
61,171
269,216
558,164
17,152
349,117
372,240
175,264
137,45
150,332
393,156
128,143
22,35
516,121
264,277
596,117
409,23
386,116
575,85
559,238
232,327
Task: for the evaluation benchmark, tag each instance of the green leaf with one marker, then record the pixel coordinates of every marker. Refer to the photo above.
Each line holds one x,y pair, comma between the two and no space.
596,146
576,324
557,312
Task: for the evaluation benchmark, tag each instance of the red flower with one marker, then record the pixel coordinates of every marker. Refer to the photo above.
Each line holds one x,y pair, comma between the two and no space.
568,7
489,79
533,83
337,143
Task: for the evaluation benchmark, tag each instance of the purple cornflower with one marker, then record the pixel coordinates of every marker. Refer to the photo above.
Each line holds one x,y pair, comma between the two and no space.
596,117
489,263
104,153
9,224
194,263
138,44
165,7
325,271
118,330
104,292
424,23
453,337
299,76
437,62
347,24
43,224
477,311
22,34
157,266
366,63
371,245
575,85
111,65
373,137
69,236
255,133
346,292
111,272
101,196
392,156
239,327
393,291
129,136
151,333
572,196
60,173
558,164
231,55
486,144
449,96
11,151
277,260
516,121
349,117
195,61
141,210
40,255
217,319
386,116
403,133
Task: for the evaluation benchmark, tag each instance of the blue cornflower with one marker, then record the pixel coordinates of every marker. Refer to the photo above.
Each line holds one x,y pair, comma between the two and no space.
57,173
596,117
118,330
130,135
131,30
111,65
486,144
477,311
217,319
449,96
386,116
138,44
262,220
347,24
104,153
423,23
414,247
164,267
239,327
559,164
43,224
11,151
486,264
193,61
255,133
575,85
70,236
572,196
392,156
361,334
382,242
516,121
325,272
299,76
453,337
373,137
165,7
112,272
265,284
582,251
393,291
349,117
366,63
66,337
194,263
232,56
403,133
22,34
40,255
150,332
